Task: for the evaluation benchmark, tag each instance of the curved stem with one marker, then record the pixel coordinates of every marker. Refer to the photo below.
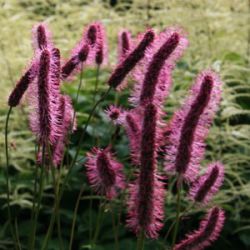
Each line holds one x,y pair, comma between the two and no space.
13,232
178,208
74,217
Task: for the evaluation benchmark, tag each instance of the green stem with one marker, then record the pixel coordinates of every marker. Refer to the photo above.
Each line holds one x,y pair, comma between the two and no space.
173,223
96,81
178,208
53,216
41,183
99,219
81,140
74,217
35,187
77,94
140,241
90,216
13,232
114,228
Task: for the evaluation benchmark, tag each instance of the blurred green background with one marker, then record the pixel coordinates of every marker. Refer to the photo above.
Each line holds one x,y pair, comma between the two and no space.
219,35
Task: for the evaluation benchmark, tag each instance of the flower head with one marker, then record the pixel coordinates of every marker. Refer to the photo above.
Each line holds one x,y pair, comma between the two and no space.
22,85
75,63
147,193
101,45
207,233
190,125
41,37
44,98
131,60
124,44
153,75
104,172
208,184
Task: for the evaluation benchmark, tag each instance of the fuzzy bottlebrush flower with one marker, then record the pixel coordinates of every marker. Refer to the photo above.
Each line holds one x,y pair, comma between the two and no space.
91,35
101,48
207,233
114,114
131,121
44,96
104,172
133,126
131,60
41,37
74,64
124,44
145,206
190,125
22,85
208,184
153,76
65,119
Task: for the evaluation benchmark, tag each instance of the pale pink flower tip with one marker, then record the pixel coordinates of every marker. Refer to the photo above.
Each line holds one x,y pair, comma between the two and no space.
104,172
207,233
208,184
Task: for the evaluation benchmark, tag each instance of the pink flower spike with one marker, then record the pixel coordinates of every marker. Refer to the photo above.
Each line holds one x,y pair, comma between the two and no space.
208,184
131,60
104,172
22,85
145,205
190,126
155,66
133,124
209,230
41,37
153,74
73,65
91,34
66,119
124,44
101,50
44,98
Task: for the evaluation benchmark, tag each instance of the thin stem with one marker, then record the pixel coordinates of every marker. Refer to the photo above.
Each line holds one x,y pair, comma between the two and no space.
58,222
173,223
8,180
53,216
90,216
96,140
114,227
81,140
41,183
99,219
140,241
178,208
96,81
17,234
77,94
35,185
74,217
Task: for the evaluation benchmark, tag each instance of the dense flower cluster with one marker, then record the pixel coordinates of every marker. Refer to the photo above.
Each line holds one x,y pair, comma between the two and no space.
179,145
